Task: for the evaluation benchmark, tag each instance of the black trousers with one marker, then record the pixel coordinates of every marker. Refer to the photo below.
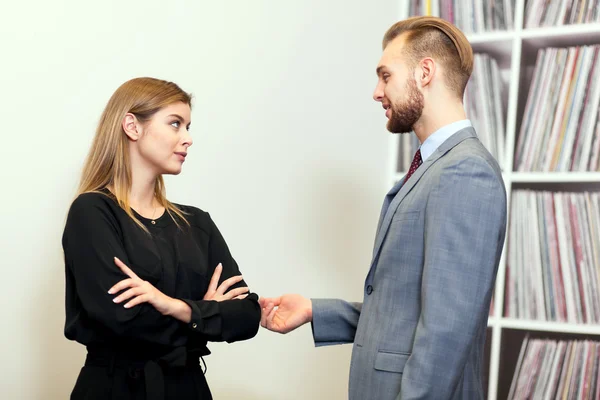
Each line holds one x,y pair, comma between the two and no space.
123,380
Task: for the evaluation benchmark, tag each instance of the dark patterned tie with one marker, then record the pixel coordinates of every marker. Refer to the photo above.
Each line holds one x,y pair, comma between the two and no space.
416,162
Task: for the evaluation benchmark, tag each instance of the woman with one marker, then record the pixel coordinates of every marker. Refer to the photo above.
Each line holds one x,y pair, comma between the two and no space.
148,282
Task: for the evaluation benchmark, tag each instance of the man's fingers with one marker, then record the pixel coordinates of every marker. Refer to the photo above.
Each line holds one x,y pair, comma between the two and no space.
270,316
214,281
126,270
275,300
241,297
263,302
264,314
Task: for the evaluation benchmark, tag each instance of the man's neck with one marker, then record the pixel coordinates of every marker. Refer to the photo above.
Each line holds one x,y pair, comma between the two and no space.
437,116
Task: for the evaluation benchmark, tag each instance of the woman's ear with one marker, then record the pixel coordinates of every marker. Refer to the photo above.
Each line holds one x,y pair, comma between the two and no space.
131,127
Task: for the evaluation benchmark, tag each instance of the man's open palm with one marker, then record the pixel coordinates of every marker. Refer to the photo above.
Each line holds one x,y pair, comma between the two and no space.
285,313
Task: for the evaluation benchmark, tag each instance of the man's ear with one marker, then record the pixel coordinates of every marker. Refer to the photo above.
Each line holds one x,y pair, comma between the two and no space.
425,72
131,127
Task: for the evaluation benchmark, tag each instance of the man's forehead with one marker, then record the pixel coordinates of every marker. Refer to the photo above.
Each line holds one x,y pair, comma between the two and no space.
392,54
395,47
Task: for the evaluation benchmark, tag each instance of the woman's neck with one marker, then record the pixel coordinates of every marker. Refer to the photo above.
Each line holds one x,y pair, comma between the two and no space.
142,193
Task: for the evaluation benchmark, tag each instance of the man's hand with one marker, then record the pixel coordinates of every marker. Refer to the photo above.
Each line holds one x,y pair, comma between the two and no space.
285,313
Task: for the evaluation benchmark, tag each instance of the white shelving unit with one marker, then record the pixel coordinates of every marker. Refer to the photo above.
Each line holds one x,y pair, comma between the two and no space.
516,52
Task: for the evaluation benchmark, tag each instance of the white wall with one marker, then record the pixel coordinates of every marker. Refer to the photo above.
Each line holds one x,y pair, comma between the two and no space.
289,158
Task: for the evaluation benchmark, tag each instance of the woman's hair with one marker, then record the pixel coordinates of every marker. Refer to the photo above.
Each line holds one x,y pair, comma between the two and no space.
108,162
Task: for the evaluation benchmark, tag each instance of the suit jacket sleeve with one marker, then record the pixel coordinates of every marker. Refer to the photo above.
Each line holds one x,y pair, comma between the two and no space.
465,224
334,321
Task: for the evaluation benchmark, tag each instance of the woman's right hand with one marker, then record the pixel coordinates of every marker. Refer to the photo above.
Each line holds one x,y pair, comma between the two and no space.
218,293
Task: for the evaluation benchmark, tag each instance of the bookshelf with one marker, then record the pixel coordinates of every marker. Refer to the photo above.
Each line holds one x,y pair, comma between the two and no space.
516,51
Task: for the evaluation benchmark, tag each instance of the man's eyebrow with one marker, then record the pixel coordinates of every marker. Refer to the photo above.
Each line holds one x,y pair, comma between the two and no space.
380,69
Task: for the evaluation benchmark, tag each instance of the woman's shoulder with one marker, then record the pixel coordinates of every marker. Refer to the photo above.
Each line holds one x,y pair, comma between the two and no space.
195,216
192,211
90,204
93,199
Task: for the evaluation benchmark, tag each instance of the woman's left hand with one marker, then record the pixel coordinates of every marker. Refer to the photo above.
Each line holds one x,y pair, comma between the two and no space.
142,292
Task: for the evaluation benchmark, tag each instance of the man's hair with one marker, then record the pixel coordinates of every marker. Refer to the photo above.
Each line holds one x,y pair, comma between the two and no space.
439,39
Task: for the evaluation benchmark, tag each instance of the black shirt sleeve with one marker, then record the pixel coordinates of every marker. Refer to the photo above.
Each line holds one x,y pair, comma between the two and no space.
239,319
91,240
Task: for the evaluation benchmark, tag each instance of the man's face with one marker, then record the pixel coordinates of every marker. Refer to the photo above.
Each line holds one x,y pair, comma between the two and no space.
397,89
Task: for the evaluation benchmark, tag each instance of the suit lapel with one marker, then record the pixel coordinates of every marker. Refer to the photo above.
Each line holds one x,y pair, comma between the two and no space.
388,200
400,190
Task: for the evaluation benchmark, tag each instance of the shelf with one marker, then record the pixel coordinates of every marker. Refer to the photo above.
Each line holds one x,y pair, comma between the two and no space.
554,177
545,326
499,45
491,37
561,36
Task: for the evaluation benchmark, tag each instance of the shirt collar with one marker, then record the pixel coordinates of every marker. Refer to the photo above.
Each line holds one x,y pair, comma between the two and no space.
438,137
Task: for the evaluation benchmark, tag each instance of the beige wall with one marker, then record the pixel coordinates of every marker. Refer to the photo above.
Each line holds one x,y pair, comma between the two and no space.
289,158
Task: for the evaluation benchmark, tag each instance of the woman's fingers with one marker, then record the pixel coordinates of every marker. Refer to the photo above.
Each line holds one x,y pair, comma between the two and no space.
235,292
128,294
214,281
126,270
124,284
228,283
241,297
143,298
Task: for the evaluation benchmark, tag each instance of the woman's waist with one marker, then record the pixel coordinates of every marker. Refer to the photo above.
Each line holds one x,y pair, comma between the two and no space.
138,354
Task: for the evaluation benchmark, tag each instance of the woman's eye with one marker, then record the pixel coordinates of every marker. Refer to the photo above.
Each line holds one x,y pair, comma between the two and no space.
175,124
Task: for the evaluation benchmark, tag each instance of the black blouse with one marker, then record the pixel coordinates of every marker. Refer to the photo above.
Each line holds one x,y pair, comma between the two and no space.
178,261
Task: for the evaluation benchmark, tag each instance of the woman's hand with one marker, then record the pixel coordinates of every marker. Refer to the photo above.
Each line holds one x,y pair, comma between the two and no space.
218,293
141,291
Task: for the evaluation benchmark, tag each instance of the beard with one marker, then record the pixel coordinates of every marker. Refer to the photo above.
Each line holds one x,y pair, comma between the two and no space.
406,114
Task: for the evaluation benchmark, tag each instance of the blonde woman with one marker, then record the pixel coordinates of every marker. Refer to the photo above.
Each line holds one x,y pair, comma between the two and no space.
148,282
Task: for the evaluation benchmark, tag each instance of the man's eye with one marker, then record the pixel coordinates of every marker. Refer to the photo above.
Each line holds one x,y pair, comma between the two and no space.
386,77
175,124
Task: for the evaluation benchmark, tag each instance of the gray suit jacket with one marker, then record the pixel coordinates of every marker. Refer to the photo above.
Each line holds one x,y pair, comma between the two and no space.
420,331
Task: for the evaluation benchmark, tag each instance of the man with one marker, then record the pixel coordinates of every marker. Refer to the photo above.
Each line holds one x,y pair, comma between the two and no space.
420,331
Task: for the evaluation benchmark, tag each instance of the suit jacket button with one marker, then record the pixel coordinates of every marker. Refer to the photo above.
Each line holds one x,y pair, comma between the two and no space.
369,289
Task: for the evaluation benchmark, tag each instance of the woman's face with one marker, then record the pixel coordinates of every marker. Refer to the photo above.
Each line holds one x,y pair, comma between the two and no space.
165,139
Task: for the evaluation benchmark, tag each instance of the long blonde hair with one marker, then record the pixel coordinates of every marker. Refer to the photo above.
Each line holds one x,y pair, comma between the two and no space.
108,162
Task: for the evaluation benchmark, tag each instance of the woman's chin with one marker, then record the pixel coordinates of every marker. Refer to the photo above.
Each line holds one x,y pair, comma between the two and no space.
172,171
